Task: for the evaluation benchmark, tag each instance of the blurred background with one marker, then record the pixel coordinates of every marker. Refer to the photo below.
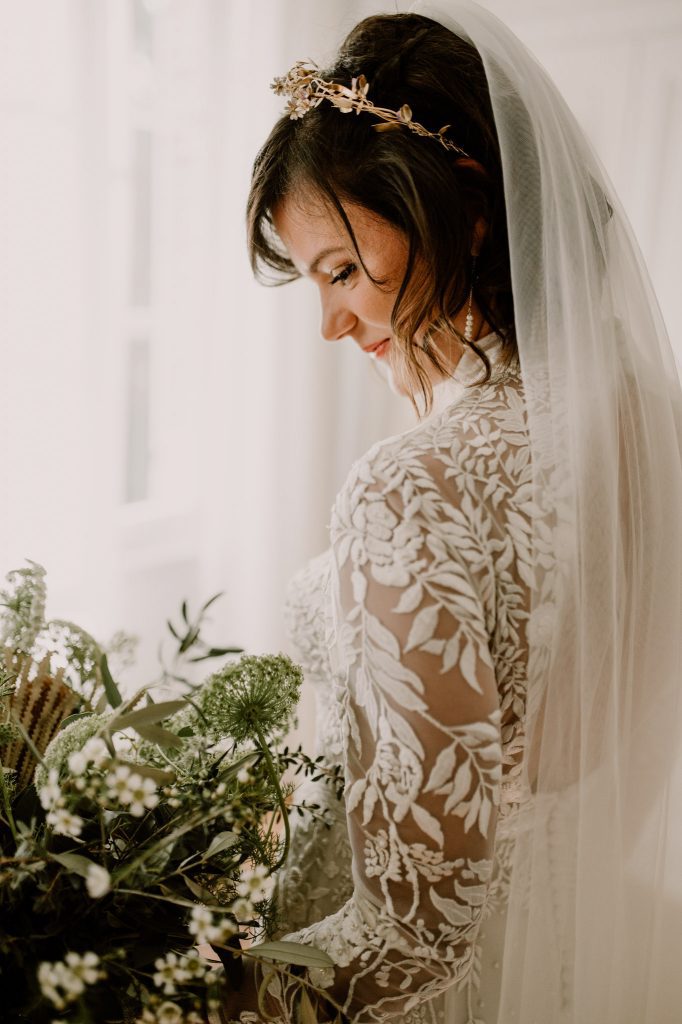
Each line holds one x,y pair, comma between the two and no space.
168,428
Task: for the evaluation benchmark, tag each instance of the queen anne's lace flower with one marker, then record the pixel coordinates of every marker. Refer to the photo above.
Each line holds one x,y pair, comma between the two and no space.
72,738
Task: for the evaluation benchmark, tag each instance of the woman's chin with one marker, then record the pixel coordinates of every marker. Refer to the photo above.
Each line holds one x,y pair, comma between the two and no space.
388,373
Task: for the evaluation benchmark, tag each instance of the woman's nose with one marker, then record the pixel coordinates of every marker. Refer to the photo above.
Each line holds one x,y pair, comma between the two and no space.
337,321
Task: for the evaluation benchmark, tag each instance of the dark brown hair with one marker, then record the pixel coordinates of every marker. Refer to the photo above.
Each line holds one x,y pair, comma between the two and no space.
414,183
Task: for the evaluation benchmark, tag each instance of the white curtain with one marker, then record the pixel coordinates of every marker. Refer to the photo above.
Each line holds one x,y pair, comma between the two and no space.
169,428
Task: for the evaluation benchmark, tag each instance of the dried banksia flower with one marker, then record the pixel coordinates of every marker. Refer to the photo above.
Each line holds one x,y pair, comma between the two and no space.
40,704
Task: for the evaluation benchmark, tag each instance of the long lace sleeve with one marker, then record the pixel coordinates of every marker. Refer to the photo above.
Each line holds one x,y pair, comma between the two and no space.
421,724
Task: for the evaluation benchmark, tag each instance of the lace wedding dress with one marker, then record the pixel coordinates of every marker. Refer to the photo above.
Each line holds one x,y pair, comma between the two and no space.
412,629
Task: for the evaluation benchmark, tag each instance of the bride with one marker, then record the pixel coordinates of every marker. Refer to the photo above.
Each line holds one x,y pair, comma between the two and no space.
495,630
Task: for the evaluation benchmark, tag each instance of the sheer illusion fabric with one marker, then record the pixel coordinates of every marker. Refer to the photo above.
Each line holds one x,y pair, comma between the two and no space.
495,637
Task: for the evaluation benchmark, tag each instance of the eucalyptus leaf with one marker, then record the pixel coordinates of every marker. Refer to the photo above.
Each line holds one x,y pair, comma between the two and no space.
198,890
110,687
74,862
75,718
155,734
102,704
147,771
223,841
306,1013
148,715
291,953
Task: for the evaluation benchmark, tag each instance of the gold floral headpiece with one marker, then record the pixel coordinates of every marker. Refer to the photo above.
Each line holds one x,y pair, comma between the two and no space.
306,89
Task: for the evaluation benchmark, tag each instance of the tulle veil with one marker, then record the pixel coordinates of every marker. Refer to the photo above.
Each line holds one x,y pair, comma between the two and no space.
592,924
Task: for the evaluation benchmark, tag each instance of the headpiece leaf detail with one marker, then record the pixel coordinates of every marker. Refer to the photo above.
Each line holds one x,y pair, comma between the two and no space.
306,89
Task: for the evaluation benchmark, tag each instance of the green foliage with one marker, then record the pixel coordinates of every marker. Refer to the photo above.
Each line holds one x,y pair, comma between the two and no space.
22,607
150,827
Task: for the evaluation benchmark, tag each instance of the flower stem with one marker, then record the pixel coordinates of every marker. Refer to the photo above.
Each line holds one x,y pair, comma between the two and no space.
152,850
7,804
280,796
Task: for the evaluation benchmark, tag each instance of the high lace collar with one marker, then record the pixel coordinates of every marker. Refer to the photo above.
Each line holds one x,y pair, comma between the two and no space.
468,371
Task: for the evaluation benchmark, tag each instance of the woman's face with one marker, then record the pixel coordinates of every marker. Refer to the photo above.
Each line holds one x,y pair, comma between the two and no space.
352,305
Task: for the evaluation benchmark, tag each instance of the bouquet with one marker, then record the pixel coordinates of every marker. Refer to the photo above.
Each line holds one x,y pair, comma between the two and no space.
133,831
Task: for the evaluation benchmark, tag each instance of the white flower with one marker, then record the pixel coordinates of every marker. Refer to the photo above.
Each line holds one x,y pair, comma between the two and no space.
50,978
244,776
117,783
206,930
85,967
50,794
96,751
201,924
221,932
77,762
97,881
143,795
169,971
63,983
243,910
64,822
169,1013
132,790
257,884
194,965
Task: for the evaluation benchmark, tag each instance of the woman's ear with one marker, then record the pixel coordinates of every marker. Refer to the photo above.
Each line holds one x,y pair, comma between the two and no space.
481,225
480,229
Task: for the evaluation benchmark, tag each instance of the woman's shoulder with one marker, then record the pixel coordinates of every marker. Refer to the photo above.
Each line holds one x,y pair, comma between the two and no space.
482,433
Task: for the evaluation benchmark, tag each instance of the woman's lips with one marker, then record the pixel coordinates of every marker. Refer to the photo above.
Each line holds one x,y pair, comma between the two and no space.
379,350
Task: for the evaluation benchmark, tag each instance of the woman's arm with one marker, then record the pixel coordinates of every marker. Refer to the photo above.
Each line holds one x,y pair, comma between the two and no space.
421,725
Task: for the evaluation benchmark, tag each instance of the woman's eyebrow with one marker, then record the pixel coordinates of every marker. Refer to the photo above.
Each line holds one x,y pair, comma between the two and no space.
314,266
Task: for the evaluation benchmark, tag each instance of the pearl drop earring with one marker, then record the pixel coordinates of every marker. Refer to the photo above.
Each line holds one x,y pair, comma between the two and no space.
469,321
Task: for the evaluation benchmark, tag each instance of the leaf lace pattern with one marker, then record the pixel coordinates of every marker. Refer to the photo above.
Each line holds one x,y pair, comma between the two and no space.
420,612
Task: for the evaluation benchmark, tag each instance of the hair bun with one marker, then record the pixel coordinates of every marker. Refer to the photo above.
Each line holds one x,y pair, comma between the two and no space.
391,72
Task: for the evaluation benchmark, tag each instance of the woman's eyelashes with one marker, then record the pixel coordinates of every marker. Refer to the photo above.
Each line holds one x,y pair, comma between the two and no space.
344,274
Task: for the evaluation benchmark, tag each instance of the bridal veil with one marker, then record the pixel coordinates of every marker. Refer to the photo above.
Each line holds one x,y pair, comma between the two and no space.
592,926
